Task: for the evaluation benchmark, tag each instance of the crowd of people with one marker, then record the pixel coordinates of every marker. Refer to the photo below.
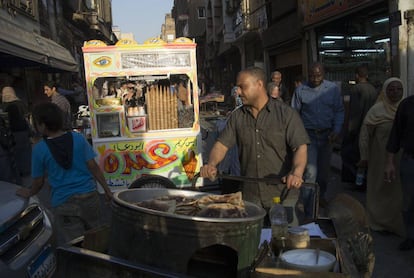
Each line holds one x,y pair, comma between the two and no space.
275,133
292,137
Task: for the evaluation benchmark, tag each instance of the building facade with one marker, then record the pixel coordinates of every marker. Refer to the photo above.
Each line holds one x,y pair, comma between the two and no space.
345,34
289,35
42,39
168,29
190,21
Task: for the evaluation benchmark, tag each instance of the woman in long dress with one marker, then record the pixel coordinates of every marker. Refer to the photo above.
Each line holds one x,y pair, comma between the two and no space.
384,198
19,126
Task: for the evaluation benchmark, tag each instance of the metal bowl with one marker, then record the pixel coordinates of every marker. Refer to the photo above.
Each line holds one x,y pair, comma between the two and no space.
129,197
308,260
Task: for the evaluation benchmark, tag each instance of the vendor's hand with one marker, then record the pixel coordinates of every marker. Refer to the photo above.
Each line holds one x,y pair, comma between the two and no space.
292,181
208,171
23,192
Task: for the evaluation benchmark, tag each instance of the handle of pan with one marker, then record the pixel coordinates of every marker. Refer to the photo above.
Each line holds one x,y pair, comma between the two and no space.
194,182
283,194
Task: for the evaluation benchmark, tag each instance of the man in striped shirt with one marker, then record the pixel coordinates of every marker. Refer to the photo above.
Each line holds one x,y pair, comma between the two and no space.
50,89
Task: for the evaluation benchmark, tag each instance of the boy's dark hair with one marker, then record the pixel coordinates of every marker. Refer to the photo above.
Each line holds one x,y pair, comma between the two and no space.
49,114
50,84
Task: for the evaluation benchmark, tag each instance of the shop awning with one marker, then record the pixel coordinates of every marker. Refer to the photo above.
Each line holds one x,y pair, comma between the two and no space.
30,46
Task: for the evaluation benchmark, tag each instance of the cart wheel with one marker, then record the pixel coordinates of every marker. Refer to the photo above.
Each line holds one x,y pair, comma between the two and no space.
152,181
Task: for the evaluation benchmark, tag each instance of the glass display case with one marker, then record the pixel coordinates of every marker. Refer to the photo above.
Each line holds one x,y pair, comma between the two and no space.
108,124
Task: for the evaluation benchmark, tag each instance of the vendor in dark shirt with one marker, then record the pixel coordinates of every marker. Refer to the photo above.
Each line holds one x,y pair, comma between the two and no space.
402,137
270,136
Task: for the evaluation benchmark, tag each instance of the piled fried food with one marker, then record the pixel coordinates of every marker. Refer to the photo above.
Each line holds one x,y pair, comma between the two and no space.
215,206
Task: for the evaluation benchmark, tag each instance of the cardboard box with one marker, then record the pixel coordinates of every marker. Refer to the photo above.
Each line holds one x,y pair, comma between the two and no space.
137,123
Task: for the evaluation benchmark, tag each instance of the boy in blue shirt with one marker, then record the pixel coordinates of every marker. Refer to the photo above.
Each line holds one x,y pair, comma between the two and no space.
67,160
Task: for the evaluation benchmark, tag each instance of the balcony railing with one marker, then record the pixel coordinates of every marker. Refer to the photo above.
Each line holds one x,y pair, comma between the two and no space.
255,18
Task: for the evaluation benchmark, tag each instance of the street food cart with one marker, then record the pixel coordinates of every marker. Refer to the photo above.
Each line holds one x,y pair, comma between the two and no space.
144,110
214,247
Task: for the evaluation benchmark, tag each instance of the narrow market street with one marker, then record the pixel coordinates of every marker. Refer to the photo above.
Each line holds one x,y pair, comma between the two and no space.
276,81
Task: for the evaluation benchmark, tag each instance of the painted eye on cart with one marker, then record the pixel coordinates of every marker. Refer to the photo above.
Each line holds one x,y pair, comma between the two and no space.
103,61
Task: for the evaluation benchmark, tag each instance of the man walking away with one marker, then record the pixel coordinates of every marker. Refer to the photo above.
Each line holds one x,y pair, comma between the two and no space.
362,97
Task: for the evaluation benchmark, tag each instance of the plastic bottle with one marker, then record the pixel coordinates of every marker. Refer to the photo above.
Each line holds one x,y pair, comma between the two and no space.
360,176
279,225
278,219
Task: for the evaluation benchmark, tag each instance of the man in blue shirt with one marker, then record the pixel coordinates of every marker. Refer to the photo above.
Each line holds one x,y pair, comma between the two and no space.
320,105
